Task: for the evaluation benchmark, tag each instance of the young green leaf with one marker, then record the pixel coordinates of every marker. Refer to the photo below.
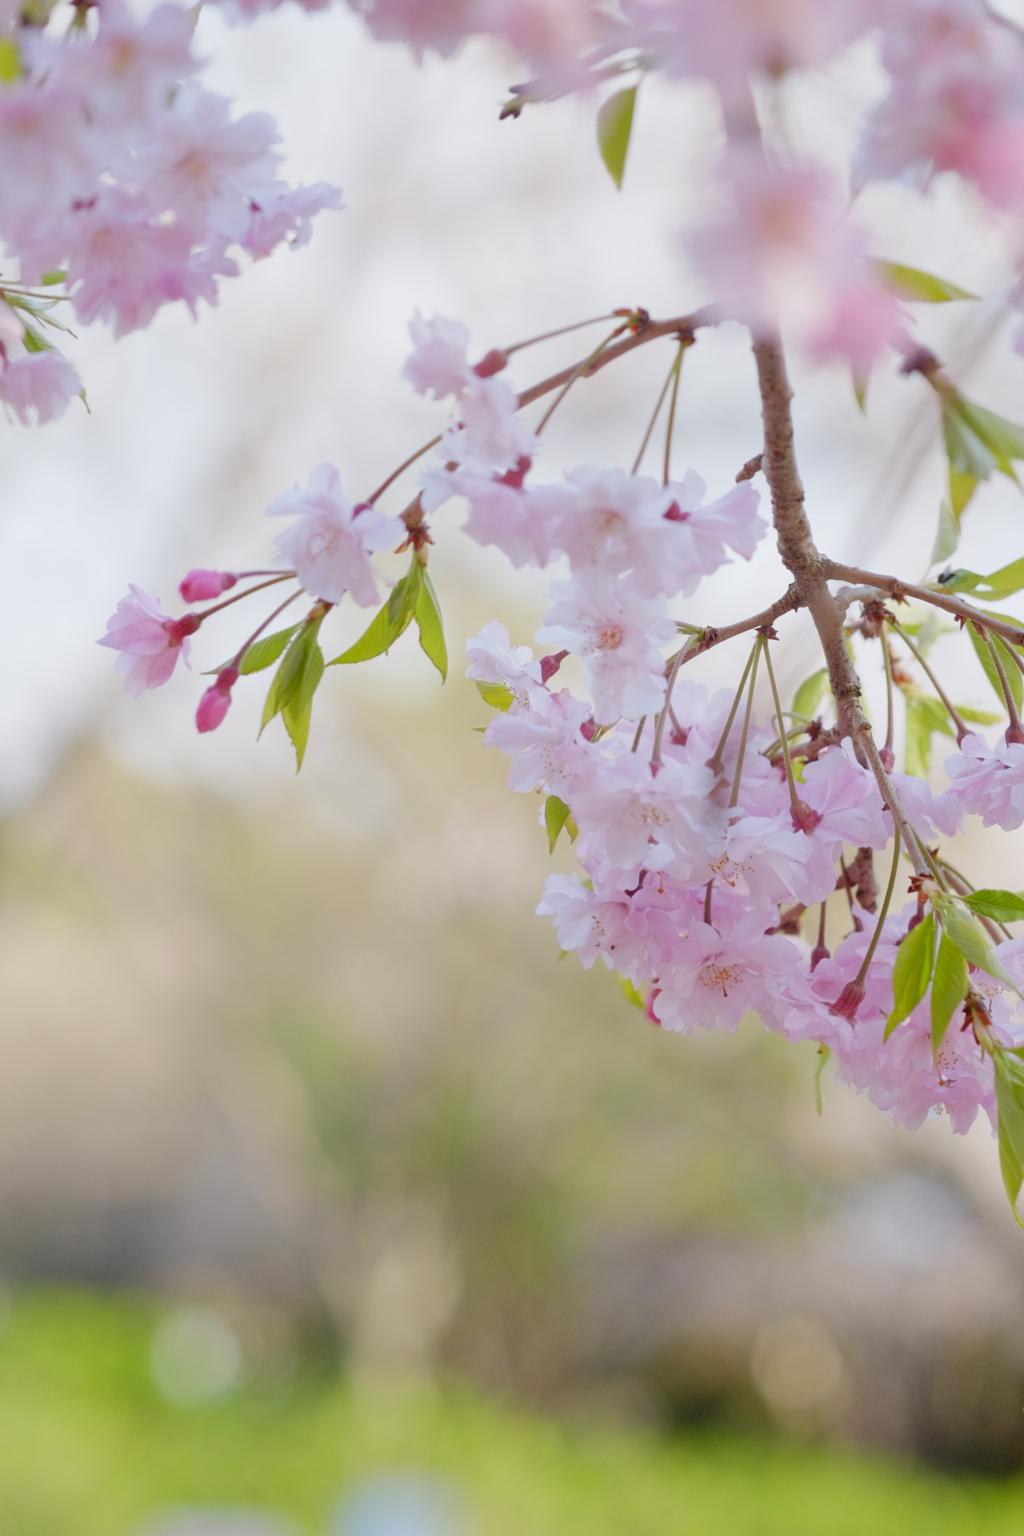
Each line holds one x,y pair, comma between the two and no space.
915,962
298,711
925,714
10,64
379,637
263,653
1002,583
810,693
917,286
556,815
973,943
428,617
497,695
1009,1072
291,679
614,126
405,593
977,716
1002,906
947,534
949,987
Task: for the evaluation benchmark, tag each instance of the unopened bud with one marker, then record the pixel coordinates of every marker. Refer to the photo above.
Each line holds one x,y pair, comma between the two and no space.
200,586
848,1001
649,1009
818,954
888,758
493,362
549,665
216,701
1014,735
589,729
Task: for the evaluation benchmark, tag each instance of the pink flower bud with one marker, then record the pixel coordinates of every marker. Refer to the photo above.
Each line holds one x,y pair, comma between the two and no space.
180,629
649,1010
200,586
493,362
216,701
888,758
848,1001
549,665
804,817
818,954
588,729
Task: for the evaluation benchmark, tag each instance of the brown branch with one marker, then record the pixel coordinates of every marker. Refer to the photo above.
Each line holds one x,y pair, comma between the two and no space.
787,603
893,587
683,326
811,573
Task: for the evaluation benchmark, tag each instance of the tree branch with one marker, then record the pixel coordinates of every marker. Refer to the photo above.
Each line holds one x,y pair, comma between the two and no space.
947,601
653,330
787,603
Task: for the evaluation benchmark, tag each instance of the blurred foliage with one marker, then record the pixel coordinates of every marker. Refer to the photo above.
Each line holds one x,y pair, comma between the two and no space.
87,1448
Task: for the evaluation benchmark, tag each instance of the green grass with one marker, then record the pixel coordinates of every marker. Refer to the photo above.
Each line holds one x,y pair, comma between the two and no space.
87,1448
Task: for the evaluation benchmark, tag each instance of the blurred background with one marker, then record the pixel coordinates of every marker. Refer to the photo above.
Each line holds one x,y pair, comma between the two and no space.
330,1200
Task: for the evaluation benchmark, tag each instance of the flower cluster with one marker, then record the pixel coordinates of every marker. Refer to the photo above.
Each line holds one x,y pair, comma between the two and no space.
126,180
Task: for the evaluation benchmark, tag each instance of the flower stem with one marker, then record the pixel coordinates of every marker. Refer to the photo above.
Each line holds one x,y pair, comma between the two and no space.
673,374
677,374
577,373
794,798
961,727
715,760
886,901
734,797
406,464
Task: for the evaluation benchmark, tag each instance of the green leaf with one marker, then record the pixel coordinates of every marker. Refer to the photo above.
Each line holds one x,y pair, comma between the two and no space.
977,716
925,715
291,681
614,126
983,654
298,711
263,653
917,286
1002,906
1009,1070
556,815
379,637
973,943
961,489
947,535
497,695
810,693
631,994
50,279
824,1052
915,961
1002,583
428,617
949,987
405,593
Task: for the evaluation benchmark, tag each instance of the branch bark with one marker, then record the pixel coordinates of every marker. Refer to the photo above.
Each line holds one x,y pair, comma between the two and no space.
947,601
654,330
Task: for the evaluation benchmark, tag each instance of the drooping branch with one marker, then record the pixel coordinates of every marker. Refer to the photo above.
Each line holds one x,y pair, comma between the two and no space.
787,603
812,572
947,601
683,326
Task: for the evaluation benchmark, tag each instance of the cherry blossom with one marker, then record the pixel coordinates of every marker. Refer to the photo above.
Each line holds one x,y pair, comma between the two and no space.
148,639
619,634
989,782
330,543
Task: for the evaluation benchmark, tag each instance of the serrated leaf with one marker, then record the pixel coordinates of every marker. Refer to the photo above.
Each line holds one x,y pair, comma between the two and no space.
983,654
1009,1074
1002,906
379,637
556,815
949,987
428,618
614,127
973,943
631,994
810,693
263,653
290,679
915,961
497,695
917,286
947,534
298,711
405,593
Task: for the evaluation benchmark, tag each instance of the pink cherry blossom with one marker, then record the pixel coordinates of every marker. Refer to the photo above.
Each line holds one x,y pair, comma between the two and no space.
493,659
216,701
545,741
148,639
438,362
39,386
330,542
989,781
619,634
